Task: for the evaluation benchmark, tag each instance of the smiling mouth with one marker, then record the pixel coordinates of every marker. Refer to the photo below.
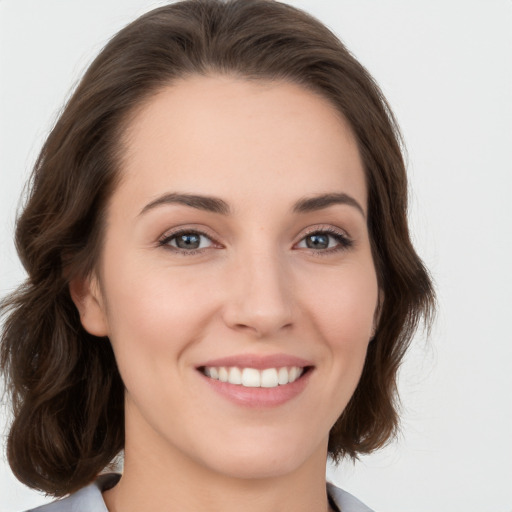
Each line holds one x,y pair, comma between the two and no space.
254,378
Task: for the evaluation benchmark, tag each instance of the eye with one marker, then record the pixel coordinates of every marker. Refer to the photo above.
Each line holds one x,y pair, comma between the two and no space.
187,241
325,241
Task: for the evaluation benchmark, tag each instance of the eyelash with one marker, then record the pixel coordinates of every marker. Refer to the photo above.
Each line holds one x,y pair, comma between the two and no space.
165,241
344,242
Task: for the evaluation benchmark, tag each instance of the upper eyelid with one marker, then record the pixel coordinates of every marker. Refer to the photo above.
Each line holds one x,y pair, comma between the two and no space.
170,233
164,242
325,228
205,231
340,236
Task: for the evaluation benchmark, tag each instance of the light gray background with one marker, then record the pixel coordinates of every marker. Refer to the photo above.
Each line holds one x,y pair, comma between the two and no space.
445,66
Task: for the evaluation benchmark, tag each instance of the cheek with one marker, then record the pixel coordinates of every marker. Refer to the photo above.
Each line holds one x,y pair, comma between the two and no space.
153,320
343,315
344,306
155,309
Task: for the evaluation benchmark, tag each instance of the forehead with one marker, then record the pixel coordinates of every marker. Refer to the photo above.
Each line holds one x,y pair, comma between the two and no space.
218,135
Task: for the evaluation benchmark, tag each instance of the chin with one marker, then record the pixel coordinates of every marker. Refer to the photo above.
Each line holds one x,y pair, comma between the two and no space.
254,468
261,459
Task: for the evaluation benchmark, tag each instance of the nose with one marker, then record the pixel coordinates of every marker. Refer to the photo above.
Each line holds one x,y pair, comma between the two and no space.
259,296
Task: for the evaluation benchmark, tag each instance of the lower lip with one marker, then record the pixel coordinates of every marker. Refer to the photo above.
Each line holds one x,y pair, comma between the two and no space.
259,397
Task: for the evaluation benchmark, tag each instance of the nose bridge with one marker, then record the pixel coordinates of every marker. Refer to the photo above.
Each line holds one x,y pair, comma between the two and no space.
259,297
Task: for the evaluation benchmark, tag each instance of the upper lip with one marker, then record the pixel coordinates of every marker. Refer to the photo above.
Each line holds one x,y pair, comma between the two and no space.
258,362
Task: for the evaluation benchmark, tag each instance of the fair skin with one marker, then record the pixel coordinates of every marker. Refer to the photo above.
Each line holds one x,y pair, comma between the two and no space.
263,277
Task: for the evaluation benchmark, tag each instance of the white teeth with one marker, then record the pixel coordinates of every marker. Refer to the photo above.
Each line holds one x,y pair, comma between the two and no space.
223,374
253,378
235,375
269,378
282,376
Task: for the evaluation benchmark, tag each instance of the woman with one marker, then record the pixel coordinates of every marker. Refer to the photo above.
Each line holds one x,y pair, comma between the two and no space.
221,280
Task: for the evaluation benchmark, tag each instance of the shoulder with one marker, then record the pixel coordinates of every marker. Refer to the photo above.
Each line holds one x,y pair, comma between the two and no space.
87,499
345,501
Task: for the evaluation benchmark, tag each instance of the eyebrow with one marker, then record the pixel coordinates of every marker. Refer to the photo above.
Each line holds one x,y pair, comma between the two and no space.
311,204
207,203
217,205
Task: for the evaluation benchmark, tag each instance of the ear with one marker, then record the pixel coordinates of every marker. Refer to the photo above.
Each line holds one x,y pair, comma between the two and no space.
86,294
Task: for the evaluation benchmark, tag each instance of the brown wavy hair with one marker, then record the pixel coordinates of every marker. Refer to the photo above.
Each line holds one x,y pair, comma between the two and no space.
63,383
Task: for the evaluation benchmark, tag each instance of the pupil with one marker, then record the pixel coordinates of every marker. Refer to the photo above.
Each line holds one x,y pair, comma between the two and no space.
317,242
190,241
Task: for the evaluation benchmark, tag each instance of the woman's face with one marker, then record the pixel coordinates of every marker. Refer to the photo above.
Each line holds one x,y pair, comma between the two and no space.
236,247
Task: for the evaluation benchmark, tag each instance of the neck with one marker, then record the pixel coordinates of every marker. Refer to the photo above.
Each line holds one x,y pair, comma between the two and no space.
154,481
